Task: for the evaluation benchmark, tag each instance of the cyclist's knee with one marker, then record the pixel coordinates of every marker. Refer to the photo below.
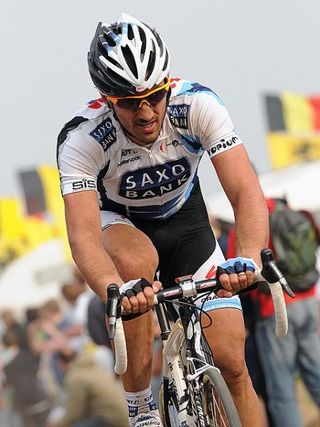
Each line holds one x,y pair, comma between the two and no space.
133,264
233,368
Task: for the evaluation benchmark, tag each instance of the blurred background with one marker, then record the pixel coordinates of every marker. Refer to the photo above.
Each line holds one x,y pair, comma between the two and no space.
259,57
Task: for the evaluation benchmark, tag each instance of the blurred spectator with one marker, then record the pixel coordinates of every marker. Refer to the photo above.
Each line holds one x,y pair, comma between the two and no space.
47,335
298,352
98,333
93,397
77,294
96,322
10,323
253,362
21,371
283,358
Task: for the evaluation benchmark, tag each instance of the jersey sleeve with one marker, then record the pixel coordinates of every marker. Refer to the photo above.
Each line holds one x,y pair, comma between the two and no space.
79,162
210,122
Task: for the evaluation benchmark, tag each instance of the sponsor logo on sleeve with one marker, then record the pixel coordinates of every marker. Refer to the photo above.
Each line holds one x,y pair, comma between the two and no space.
105,134
178,115
146,183
84,184
223,144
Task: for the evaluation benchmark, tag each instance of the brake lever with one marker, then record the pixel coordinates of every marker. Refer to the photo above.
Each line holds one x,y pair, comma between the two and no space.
271,272
113,308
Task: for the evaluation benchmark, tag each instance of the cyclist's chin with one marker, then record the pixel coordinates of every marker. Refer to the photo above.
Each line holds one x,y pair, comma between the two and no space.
144,137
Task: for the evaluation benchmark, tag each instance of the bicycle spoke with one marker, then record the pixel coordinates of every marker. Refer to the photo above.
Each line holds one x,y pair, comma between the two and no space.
216,410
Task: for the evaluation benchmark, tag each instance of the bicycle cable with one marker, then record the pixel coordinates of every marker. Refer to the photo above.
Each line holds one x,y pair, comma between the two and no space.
201,310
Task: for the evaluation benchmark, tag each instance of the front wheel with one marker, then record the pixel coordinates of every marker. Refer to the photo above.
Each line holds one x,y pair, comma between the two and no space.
217,403
168,406
213,407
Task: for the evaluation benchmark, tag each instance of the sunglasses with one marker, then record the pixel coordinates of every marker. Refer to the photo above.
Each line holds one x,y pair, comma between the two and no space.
152,97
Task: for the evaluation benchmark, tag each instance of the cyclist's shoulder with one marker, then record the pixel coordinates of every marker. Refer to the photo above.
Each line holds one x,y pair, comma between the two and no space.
188,91
94,121
88,115
192,106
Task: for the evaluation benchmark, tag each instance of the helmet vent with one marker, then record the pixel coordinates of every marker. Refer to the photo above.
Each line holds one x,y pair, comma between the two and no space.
151,61
166,61
130,32
116,29
159,42
114,62
130,60
109,39
143,41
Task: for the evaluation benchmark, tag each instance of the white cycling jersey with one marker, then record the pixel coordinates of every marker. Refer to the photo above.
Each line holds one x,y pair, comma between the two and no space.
94,153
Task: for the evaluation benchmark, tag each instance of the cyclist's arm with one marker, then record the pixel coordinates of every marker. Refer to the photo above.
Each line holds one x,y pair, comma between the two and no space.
211,121
85,238
243,190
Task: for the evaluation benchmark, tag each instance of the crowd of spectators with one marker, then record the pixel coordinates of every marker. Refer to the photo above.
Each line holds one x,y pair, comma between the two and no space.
53,372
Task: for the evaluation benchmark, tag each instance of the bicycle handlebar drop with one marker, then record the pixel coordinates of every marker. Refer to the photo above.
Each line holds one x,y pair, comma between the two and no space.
115,327
189,288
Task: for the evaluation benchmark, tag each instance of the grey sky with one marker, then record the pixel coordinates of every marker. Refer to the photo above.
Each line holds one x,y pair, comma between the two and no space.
240,49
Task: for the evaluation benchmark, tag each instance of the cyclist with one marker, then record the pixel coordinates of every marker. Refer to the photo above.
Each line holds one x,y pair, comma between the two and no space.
128,166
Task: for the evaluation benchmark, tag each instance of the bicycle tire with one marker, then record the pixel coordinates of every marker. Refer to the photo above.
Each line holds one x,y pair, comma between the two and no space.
167,409
217,402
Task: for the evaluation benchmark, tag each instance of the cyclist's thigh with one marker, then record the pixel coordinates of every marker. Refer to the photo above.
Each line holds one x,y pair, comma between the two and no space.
130,249
184,241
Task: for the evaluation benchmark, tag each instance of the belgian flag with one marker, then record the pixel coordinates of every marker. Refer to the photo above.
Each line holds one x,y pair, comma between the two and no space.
42,199
293,128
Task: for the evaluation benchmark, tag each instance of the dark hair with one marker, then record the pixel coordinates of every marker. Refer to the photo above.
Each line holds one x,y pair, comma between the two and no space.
31,314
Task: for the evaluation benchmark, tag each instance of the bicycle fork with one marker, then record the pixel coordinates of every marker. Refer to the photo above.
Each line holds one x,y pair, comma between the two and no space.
181,375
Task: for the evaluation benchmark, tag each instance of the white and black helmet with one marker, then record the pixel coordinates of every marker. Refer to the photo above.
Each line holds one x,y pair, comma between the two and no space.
127,57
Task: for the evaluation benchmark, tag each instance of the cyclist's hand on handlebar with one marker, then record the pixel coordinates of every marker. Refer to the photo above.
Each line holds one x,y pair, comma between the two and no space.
235,274
137,296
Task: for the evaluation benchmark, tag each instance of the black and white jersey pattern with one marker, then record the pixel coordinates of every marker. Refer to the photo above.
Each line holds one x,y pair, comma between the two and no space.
94,153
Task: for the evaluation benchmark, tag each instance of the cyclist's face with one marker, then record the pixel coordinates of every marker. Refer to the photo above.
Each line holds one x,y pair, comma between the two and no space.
143,123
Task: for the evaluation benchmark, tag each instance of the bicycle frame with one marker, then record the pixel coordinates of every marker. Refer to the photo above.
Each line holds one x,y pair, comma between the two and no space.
185,344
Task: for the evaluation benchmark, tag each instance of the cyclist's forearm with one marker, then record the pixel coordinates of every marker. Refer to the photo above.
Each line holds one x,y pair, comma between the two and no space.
252,226
95,264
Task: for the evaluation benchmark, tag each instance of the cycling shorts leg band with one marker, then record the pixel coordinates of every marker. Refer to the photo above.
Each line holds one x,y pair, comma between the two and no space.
214,303
109,218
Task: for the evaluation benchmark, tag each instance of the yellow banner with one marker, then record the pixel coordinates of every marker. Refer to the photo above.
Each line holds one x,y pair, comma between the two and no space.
11,218
287,148
297,113
55,208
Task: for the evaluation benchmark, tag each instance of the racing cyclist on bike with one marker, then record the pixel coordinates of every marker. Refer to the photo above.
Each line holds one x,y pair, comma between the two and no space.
128,166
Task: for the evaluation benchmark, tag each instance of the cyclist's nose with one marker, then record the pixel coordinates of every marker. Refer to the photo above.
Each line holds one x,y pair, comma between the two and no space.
145,110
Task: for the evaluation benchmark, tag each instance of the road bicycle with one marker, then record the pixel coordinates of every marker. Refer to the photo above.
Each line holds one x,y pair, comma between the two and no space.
193,392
